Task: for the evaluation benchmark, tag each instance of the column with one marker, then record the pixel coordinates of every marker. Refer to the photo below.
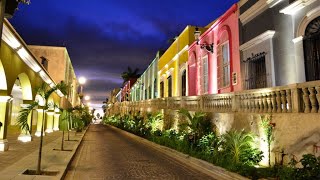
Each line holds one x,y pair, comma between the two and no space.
49,127
299,59
39,122
4,107
25,135
56,117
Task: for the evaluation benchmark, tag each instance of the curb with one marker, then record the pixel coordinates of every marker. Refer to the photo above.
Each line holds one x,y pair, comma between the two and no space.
73,155
200,165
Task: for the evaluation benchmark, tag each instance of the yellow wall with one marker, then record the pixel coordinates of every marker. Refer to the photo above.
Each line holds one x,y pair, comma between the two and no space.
170,62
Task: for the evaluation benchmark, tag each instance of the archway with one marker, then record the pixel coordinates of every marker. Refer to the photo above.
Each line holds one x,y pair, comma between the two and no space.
3,80
311,49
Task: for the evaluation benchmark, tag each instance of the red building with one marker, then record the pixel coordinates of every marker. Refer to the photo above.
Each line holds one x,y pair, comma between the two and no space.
125,91
214,60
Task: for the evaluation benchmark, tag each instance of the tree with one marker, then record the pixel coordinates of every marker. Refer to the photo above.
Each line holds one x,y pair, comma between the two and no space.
45,92
127,75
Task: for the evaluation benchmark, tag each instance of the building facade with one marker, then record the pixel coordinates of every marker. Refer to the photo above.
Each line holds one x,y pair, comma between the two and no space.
284,50
20,76
57,62
146,87
172,65
214,60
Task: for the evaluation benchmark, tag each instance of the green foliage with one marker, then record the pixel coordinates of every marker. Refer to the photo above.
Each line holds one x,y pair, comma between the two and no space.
239,147
198,124
64,120
22,120
155,121
268,132
126,75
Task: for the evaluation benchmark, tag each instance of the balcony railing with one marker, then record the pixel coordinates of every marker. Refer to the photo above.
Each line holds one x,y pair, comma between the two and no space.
302,97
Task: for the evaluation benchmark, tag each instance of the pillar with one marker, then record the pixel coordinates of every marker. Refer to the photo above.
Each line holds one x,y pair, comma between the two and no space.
56,117
49,127
25,135
39,122
4,107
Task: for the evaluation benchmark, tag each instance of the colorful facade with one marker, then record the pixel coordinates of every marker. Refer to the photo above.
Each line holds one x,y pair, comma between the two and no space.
172,66
125,91
283,51
20,75
146,86
216,70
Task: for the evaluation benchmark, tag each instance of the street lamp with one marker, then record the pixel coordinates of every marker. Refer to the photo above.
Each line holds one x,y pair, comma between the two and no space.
208,47
87,98
82,81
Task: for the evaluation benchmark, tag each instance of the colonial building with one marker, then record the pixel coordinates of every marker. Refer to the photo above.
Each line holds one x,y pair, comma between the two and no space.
57,62
146,86
214,60
279,42
172,65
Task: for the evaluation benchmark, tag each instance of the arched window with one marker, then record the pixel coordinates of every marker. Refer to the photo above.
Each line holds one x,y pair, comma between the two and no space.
184,83
223,61
311,46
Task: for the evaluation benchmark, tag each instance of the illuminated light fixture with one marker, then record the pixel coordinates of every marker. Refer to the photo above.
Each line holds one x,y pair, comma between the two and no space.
60,93
207,47
89,104
82,80
25,56
10,39
86,98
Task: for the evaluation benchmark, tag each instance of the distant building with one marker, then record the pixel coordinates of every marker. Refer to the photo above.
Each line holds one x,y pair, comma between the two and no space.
57,62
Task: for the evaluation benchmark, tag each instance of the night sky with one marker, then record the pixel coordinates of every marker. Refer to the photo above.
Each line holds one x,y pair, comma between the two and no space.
104,37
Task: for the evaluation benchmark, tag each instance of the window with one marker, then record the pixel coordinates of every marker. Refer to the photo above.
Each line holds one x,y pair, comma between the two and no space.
169,86
256,76
44,62
149,92
311,46
224,68
162,89
205,74
184,83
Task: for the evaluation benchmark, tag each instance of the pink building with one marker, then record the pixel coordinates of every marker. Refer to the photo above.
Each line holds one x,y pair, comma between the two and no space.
214,60
125,91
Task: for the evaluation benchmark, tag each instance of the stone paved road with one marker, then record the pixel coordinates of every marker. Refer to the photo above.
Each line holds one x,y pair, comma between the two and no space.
105,153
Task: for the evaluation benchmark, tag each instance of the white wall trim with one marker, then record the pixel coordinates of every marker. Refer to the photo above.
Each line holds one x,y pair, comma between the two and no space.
306,20
298,39
257,40
296,6
258,8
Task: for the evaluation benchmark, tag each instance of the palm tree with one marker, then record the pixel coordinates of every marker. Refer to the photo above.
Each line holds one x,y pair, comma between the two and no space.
45,92
127,75
198,124
238,145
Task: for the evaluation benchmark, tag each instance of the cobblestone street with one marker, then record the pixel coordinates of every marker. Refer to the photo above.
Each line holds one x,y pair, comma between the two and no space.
106,153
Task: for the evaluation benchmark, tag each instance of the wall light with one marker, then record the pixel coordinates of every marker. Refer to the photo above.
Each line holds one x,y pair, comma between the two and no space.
208,47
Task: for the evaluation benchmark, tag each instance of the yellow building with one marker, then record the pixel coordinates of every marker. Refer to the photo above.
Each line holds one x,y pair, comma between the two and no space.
20,76
172,65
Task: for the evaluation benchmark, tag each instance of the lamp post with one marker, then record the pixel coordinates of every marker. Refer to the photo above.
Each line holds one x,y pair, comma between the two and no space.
207,47
87,98
82,81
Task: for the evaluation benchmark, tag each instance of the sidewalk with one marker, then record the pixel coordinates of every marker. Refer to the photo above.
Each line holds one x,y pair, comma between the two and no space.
23,156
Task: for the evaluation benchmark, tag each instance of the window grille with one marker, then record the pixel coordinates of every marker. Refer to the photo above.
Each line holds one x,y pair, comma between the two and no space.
256,76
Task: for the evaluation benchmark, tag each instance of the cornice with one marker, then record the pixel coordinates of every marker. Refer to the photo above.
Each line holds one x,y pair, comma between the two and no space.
257,40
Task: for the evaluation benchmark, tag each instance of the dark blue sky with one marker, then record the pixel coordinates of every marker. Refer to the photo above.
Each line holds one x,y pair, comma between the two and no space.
103,37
